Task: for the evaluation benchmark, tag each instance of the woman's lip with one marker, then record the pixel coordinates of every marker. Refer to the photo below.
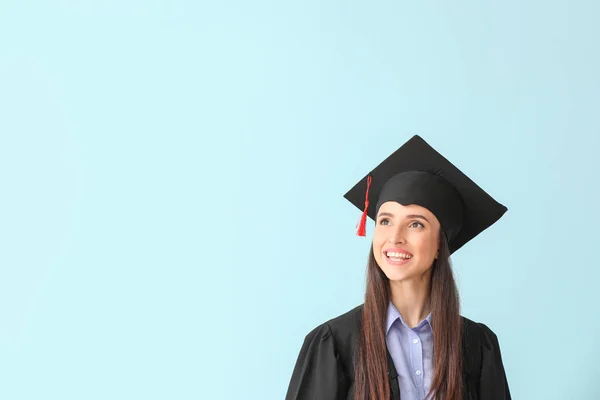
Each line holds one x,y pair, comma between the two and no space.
393,262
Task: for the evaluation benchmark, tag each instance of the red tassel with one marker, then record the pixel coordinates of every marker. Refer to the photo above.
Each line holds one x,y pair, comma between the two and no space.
362,225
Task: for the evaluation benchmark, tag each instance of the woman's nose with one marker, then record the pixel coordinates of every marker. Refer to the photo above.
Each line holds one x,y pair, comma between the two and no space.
397,237
395,241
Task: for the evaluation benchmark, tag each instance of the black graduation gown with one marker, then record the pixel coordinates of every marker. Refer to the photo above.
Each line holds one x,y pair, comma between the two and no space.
324,367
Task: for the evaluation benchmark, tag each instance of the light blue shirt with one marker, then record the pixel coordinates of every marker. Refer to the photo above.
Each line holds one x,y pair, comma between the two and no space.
412,352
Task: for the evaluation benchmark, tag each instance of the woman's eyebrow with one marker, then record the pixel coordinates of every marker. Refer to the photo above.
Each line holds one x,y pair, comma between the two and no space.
410,216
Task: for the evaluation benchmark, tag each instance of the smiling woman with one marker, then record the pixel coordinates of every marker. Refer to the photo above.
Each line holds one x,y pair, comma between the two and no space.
396,227
408,340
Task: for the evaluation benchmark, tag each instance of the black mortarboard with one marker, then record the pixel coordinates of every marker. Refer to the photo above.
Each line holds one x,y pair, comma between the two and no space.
417,174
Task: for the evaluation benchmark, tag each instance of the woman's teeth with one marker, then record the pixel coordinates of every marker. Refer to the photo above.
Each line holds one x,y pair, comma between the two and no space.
398,256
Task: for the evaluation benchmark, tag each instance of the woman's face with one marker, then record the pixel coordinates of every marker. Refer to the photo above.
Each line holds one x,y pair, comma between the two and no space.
405,241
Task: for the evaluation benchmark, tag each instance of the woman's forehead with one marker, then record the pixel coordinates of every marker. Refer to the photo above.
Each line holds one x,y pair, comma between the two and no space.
394,207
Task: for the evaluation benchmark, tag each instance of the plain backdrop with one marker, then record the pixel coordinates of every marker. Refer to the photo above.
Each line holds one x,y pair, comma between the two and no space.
171,215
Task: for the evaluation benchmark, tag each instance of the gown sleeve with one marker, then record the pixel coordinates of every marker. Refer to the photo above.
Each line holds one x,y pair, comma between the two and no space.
318,373
493,384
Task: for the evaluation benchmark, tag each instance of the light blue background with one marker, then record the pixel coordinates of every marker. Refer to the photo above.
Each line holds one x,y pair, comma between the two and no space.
172,220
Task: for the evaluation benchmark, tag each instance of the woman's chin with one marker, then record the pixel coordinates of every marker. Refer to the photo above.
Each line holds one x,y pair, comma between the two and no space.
395,276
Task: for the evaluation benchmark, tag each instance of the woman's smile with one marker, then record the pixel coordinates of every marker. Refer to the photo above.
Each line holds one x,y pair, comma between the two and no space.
397,256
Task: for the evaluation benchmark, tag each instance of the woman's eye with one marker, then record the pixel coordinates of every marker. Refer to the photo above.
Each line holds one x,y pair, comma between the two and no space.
418,223
383,221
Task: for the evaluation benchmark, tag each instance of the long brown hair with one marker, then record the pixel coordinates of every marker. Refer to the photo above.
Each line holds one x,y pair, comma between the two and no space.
370,373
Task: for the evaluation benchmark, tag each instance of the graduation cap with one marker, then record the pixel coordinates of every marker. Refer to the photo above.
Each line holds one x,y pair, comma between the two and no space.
417,174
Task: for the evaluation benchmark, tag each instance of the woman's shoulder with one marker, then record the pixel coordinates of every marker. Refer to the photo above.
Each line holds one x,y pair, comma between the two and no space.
348,321
484,360
342,330
324,368
479,330
480,342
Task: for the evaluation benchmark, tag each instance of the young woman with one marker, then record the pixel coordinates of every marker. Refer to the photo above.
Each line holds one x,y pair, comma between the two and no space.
408,340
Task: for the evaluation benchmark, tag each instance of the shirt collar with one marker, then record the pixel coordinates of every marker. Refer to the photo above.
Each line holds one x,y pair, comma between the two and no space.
393,314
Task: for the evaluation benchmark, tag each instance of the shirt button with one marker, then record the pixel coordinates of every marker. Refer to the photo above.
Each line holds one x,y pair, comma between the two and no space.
416,341
418,372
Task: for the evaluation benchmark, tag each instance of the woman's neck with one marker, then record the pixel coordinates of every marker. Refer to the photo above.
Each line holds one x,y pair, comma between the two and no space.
412,299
